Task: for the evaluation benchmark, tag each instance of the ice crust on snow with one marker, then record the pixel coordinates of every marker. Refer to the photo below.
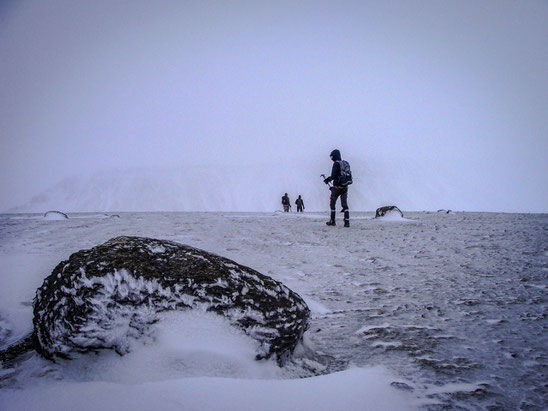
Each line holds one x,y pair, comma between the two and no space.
436,282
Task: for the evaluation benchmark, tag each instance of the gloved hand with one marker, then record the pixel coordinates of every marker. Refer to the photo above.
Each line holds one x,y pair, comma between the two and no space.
327,180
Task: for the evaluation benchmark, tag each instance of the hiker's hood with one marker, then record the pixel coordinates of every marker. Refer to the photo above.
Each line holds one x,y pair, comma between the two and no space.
336,155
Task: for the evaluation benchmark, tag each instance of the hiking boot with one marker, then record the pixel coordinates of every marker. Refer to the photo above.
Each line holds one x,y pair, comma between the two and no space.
346,218
332,218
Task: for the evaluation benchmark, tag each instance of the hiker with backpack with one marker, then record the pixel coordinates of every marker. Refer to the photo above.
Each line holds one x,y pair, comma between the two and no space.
286,203
341,176
300,204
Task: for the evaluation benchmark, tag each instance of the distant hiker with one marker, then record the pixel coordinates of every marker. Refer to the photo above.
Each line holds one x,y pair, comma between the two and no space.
286,203
341,177
300,204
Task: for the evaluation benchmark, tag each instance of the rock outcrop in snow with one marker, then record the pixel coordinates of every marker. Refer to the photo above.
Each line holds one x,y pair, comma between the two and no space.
55,215
383,211
445,211
103,297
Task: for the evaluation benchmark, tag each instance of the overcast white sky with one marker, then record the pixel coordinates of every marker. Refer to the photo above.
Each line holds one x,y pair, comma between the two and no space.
459,87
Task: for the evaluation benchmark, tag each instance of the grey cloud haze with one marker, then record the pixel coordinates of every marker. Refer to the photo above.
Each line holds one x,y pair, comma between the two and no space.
458,89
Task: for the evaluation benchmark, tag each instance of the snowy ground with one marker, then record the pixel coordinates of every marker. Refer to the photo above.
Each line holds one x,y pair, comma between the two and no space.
429,311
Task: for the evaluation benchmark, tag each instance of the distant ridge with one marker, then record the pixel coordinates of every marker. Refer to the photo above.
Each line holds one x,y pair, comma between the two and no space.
250,188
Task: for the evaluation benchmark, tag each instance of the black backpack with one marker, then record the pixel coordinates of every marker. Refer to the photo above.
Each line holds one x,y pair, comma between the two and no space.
345,178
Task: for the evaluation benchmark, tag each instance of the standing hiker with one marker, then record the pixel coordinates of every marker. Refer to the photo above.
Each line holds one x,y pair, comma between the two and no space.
300,204
286,203
341,177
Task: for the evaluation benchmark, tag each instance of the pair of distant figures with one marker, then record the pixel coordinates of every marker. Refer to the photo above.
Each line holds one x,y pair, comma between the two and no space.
286,203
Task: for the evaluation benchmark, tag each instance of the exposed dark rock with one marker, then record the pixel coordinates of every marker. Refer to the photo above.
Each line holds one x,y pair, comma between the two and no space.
445,211
381,212
55,215
401,386
14,352
101,297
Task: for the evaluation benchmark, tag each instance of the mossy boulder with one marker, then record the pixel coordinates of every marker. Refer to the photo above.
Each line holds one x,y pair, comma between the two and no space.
103,297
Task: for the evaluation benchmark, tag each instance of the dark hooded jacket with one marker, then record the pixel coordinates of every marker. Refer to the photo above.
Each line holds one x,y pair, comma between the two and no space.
336,169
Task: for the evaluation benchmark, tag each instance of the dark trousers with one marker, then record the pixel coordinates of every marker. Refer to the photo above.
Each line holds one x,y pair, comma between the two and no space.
299,208
337,192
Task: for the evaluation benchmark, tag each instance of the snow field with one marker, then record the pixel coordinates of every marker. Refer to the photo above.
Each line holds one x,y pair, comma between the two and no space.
450,306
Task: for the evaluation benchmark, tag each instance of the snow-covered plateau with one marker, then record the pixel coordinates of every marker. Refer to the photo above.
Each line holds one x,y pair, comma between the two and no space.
434,311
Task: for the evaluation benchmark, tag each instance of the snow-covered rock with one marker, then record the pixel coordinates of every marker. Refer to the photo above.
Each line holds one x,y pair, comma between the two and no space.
442,211
55,215
384,211
103,297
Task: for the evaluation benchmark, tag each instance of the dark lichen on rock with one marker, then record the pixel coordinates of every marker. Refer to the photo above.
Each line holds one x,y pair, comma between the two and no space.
102,297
